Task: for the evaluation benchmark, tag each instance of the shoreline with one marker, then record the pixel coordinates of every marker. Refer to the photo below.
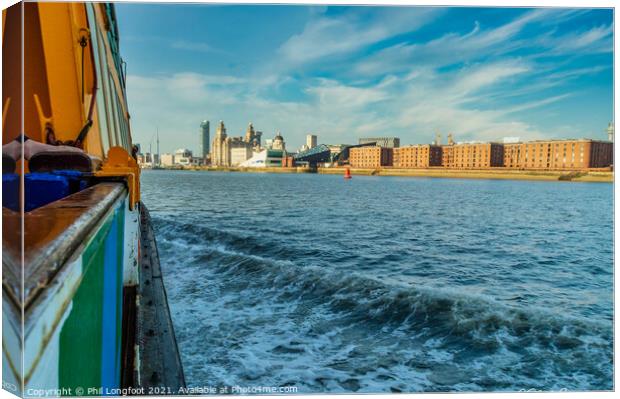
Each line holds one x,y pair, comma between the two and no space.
501,174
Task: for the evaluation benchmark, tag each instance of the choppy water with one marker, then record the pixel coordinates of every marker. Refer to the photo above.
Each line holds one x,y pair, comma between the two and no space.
384,284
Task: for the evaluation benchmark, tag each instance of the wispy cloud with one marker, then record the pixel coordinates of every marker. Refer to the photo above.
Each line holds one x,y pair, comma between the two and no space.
484,42
449,48
415,104
333,36
362,71
598,39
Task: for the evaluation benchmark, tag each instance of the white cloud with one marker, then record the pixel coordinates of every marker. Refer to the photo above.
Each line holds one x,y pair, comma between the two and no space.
398,91
453,48
449,48
412,107
331,36
537,104
476,78
595,40
451,103
330,93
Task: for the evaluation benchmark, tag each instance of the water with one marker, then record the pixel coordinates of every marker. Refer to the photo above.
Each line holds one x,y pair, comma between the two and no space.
387,284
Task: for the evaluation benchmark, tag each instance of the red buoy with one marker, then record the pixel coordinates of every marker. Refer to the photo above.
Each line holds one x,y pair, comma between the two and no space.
347,173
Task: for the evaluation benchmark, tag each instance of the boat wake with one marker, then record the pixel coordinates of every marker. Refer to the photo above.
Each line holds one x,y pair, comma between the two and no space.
248,312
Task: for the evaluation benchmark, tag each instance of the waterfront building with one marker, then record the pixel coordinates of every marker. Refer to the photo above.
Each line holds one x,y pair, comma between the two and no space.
265,158
239,154
147,160
183,157
311,140
225,146
417,156
387,142
204,139
288,161
473,155
167,160
559,154
370,157
219,154
447,155
253,137
512,155
278,142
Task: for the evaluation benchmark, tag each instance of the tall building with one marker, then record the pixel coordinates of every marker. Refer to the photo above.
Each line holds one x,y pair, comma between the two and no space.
232,151
311,141
610,132
387,142
204,139
220,156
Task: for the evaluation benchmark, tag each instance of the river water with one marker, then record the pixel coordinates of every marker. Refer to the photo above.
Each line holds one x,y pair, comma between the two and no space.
386,284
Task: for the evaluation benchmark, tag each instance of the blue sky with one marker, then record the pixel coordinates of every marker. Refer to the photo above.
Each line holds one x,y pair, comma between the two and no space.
347,72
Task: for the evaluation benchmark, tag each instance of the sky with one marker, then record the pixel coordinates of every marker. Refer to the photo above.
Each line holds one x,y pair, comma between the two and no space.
346,72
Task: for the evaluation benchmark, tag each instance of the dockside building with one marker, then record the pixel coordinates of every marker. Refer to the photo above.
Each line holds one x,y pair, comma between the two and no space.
417,156
559,154
472,155
370,157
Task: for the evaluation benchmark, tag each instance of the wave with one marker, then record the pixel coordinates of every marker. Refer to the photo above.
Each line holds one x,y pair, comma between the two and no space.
441,318
171,227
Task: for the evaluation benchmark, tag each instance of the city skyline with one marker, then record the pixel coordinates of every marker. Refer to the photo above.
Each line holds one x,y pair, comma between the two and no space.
479,73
